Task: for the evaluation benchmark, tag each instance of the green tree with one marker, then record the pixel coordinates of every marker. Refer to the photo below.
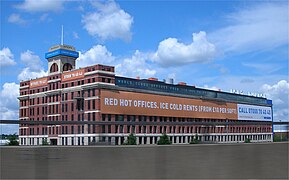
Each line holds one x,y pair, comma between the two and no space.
164,139
44,142
247,140
13,140
131,140
195,140
278,138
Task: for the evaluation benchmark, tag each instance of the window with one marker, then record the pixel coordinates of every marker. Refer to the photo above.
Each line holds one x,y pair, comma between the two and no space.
88,116
109,128
93,91
88,93
116,128
78,129
72,106
88,104
103,117
79,104
93,116
93,128
128,129
93,103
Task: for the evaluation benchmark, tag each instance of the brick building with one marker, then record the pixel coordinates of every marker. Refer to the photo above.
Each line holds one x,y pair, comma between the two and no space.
145,107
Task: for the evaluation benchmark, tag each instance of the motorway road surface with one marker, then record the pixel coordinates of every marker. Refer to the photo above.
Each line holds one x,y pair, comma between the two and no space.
215,161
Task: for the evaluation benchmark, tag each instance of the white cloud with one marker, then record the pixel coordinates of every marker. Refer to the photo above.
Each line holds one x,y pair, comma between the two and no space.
75,35
9,107
33,69
6,58
214,88
260,27
16,19
31,60
173,53
98,54
27,74
108,21
41,5
137,65
45,17
279,93
9,102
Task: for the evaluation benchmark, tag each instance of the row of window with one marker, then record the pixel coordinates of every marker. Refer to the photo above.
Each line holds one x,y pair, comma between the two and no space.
100,67
56,85
66,129
145,140
54,109
64,97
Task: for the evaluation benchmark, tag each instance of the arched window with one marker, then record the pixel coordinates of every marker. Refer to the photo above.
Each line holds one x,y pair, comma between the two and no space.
67,67
54,68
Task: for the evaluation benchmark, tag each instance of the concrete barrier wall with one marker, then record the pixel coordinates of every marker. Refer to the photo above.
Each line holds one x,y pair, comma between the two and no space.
230,161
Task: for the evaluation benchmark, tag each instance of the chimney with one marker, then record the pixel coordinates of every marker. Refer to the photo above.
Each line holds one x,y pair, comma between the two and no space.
182,83
153,79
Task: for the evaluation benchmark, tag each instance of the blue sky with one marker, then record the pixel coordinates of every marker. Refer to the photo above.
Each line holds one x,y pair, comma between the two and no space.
224,45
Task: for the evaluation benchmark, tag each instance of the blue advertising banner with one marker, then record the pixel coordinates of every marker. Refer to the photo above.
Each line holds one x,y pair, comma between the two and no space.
62,52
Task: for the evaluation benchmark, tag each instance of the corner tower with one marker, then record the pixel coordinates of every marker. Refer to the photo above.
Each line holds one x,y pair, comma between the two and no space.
61,58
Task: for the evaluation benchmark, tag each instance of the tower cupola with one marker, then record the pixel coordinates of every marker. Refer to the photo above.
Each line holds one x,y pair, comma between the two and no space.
61,58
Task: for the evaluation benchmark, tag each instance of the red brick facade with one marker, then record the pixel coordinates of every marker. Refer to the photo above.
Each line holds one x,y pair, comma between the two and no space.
76,96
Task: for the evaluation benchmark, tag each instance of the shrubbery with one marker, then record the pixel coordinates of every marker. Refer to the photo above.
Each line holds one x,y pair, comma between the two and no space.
164,139
13,140
195,140
131,140
247,140
44,142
